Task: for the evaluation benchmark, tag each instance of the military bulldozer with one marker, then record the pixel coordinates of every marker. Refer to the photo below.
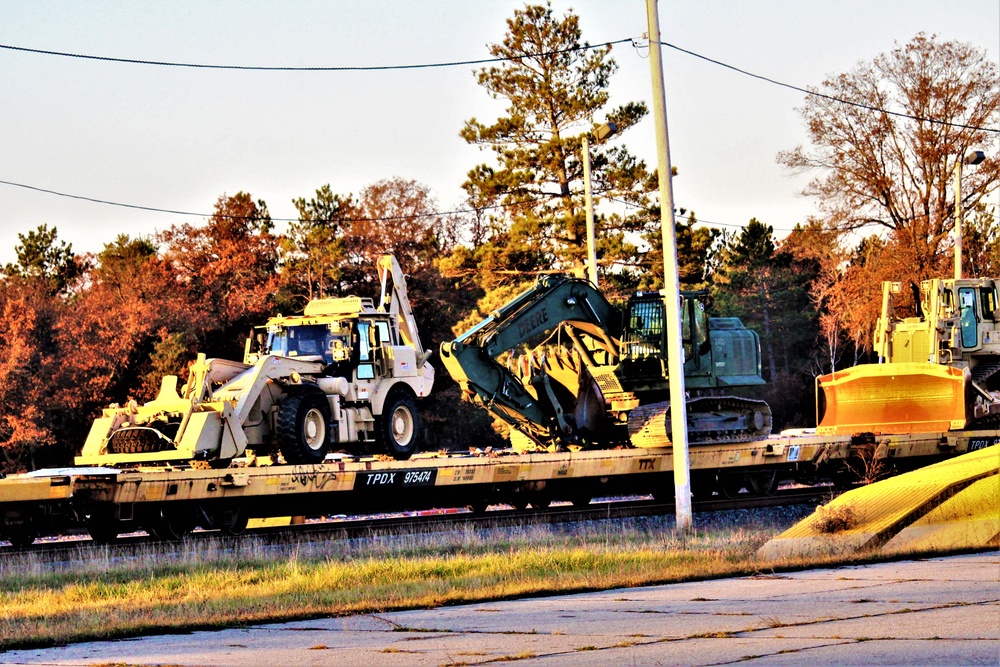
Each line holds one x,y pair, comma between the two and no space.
565,368
345,374
938,370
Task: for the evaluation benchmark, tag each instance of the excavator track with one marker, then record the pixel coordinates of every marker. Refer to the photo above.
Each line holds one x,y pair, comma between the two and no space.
710,419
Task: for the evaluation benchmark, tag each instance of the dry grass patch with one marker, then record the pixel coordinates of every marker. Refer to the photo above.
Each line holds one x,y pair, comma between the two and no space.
217,584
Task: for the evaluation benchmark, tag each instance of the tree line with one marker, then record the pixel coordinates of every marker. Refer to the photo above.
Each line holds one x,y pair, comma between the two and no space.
83,331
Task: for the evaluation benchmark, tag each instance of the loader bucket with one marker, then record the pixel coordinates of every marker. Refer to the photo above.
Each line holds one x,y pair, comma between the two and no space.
910,397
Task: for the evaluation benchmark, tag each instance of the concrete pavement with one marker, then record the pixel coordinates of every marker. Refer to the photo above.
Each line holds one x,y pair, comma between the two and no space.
938,611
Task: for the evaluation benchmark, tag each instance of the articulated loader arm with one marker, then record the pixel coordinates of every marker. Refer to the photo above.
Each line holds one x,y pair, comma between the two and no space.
398,303
555,300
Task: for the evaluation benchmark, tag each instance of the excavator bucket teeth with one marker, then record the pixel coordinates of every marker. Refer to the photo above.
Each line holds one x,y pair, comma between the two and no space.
909,397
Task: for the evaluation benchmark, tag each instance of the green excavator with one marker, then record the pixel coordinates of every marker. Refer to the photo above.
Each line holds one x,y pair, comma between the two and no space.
567,369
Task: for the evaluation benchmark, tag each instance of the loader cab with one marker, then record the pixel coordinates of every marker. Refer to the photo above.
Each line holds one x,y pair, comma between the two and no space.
372,336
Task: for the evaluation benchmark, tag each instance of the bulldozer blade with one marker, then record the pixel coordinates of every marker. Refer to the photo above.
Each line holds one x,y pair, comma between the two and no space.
905,397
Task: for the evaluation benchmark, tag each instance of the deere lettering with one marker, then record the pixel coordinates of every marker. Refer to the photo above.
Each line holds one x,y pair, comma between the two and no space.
533,321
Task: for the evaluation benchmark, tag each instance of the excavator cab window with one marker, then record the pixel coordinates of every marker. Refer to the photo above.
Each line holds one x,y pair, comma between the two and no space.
645,327
969,318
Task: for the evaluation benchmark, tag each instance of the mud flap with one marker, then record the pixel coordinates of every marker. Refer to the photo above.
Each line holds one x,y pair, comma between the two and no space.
907,397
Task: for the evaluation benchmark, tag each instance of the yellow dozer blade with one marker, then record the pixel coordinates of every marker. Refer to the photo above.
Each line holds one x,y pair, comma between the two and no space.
910,397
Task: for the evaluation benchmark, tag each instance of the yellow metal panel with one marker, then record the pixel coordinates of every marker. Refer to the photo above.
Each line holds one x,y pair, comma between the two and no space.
892,398
879,511
968,520
22,489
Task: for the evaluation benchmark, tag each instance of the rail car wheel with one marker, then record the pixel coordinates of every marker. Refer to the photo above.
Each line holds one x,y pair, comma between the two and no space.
478,507
581,501
103,532
168,525
233,522
304,427
763,484
104,527
21,535
732,485
399,426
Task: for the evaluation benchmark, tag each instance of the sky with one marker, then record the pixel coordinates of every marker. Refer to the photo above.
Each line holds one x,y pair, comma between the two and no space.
179,138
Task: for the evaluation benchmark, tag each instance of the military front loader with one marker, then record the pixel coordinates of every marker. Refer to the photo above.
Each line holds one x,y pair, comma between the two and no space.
343,375
939,367
566,368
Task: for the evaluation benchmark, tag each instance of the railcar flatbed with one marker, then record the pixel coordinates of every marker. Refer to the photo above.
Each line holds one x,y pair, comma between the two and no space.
169,500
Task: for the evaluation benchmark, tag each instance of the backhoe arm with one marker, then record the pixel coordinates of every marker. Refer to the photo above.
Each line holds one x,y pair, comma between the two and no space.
397,303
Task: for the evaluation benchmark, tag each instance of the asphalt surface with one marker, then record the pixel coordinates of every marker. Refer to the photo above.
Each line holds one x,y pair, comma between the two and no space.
939,611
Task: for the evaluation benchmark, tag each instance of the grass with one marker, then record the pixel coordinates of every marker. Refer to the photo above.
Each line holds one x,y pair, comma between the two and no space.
112,592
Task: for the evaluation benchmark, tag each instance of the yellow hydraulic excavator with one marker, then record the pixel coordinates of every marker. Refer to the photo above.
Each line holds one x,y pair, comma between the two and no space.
939,370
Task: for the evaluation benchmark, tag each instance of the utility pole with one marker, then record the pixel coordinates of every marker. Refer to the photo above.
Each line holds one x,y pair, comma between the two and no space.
600,134
671,280
975,157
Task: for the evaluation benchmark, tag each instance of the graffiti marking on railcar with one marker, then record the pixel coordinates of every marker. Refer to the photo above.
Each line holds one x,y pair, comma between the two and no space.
316,476
976,444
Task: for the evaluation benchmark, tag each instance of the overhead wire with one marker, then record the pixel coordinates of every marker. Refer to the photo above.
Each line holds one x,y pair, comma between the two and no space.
284,68
583,47
832,98
483,61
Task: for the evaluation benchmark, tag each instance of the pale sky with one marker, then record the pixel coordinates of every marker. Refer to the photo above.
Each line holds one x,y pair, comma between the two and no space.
178,138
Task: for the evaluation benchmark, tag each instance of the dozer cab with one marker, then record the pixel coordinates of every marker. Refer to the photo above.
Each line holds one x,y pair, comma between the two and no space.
937,370
345,374
566,368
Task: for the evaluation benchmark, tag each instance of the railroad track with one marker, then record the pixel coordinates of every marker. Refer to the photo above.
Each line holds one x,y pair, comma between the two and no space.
73,546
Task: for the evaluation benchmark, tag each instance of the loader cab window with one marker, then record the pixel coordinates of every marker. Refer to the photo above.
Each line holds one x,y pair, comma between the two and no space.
305,341
366,365
970,322
988,302
382,333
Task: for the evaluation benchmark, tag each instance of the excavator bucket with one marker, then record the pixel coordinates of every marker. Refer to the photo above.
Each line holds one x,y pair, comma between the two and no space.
907,397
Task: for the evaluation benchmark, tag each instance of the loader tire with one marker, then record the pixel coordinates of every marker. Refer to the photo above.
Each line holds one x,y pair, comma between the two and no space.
304,428
398,428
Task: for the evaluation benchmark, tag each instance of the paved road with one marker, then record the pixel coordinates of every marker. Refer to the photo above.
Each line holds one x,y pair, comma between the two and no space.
941,611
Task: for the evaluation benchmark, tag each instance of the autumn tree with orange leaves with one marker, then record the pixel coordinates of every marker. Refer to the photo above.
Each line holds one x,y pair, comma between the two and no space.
885,138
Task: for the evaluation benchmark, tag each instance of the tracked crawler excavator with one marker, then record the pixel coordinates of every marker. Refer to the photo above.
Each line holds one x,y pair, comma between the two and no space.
939,369
565,368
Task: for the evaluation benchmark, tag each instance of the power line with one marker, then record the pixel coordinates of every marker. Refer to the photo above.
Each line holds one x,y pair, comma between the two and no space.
839,100
416,216
267,68
170,211
483,61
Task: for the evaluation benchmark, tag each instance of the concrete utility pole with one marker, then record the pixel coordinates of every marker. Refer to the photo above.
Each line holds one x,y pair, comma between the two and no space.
975,157
600,134
671,280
